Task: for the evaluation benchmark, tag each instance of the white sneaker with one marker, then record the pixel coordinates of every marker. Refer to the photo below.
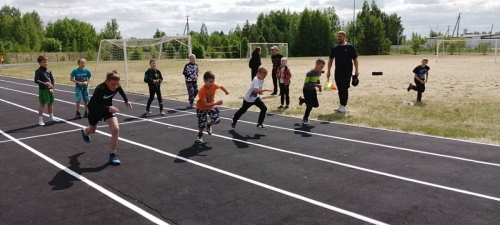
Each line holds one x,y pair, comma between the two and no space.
337,109
41,123
341,109
54,119
209,130
199,139
305,122
162,113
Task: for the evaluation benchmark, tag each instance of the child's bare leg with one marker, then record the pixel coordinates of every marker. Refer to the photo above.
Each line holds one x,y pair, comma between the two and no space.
50,107
40,109
90,130
78,106
86,106
115,131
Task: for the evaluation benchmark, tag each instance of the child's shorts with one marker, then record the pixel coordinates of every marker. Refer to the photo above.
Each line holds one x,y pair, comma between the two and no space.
99,115
311,98
45,97
204,114
82,92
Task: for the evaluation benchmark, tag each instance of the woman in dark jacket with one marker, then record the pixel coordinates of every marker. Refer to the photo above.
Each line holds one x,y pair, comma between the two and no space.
255,61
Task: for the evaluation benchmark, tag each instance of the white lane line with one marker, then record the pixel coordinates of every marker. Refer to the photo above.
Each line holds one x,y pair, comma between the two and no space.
41,135
293,195
344,139
318,159
289,116
87,181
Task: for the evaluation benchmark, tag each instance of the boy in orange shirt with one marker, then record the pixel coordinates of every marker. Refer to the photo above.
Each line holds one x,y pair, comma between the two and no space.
206,105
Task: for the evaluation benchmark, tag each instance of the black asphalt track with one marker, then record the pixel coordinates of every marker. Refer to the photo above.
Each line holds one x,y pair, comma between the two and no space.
386,176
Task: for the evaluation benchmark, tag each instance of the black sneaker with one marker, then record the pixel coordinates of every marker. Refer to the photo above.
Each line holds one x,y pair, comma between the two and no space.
301,100
274,93
409,87
209,130
86,114
78,115
86,138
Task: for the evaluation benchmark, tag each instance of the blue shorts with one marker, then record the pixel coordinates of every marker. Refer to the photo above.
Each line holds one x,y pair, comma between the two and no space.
82,92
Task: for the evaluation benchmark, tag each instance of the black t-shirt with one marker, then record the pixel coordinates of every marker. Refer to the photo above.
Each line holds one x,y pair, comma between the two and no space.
343,55
102,98
421,71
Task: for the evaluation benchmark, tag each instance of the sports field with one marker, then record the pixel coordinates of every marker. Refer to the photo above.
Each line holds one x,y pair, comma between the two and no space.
460,101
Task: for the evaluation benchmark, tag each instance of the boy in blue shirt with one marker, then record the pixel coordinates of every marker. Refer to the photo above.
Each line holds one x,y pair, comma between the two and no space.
81,77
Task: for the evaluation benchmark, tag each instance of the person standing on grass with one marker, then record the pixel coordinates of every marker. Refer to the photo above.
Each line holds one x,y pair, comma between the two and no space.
45,81
255,62
276,60
284,75
190,72
344,55
421,77
252,98
101,109
311,82
153,78
206,106
81,77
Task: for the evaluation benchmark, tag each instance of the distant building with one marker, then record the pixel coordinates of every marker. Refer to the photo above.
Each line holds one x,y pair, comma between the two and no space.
472,41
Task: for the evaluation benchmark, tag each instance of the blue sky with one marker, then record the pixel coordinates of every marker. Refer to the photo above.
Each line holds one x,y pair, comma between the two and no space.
141,18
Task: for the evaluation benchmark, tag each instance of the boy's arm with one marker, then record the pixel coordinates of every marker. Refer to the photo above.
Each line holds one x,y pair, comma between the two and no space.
223,89
160,77
147,78
37,79
98,95
52,81
89,76
427,76
122,93
184,72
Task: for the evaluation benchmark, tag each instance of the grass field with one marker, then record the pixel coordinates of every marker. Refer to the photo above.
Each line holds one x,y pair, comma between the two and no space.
461,98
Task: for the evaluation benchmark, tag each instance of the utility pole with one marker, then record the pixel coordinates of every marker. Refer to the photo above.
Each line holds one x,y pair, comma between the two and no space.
354,21
186,28
457,26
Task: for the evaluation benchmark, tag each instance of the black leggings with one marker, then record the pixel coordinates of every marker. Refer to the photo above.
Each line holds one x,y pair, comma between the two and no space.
153,89
254,72
259,103
285,93
343,82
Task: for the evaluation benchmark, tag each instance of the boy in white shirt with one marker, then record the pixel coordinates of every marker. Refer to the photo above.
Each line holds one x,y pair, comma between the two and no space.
251,98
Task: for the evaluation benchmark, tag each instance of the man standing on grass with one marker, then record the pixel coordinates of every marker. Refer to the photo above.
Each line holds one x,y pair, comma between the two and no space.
276,60
344,55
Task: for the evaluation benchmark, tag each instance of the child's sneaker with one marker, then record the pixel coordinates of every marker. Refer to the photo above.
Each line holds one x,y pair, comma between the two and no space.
209,130
53,119
301,100
86,138
199,139
78,115
86,114
190,106
113,160
233,125
148,111
162,113
261,126
305,122
409,87
280,107
286,107
40,122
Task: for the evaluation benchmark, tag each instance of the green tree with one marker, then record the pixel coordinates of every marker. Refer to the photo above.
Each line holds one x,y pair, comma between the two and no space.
111,30
51,45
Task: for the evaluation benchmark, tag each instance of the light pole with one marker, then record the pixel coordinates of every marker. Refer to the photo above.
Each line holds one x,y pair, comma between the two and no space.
354,21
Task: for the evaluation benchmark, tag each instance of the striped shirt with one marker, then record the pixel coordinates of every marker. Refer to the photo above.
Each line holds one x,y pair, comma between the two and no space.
276,60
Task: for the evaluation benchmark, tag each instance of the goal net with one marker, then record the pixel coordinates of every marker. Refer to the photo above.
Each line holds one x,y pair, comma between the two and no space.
467,50
266,49
130,57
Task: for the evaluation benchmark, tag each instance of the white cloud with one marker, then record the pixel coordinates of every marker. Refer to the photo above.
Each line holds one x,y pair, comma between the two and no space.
142,18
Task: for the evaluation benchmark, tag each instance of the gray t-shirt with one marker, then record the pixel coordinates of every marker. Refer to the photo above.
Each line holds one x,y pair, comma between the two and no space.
312,78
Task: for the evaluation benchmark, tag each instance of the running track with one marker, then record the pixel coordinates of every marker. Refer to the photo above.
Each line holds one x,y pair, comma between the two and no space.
323,174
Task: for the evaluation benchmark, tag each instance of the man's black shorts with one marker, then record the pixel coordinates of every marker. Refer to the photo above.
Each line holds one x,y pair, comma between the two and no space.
311,98
97,115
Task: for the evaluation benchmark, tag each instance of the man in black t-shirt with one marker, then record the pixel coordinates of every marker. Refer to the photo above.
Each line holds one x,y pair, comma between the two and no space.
421,77
345,55
276,60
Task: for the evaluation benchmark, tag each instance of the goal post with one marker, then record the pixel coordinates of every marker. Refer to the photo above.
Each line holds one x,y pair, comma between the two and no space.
484,50
266,49
130,57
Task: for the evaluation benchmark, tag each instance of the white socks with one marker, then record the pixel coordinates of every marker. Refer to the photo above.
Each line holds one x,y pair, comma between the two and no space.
40,121
112,152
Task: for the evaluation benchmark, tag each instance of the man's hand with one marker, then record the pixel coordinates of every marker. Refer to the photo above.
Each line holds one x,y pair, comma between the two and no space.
356,73
328,75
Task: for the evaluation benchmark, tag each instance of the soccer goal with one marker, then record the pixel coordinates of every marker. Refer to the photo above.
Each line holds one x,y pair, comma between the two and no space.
266,49
467,50
130,57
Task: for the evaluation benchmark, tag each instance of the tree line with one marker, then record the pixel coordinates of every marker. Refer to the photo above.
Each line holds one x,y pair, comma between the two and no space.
311,32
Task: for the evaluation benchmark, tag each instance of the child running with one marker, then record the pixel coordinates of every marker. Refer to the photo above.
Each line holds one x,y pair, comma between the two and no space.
191,77
154,78
284,75
310,84
251,98
101,108
206,105
421,77
45,81
81,77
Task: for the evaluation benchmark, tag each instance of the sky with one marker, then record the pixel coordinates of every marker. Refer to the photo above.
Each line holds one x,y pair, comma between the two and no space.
140,19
